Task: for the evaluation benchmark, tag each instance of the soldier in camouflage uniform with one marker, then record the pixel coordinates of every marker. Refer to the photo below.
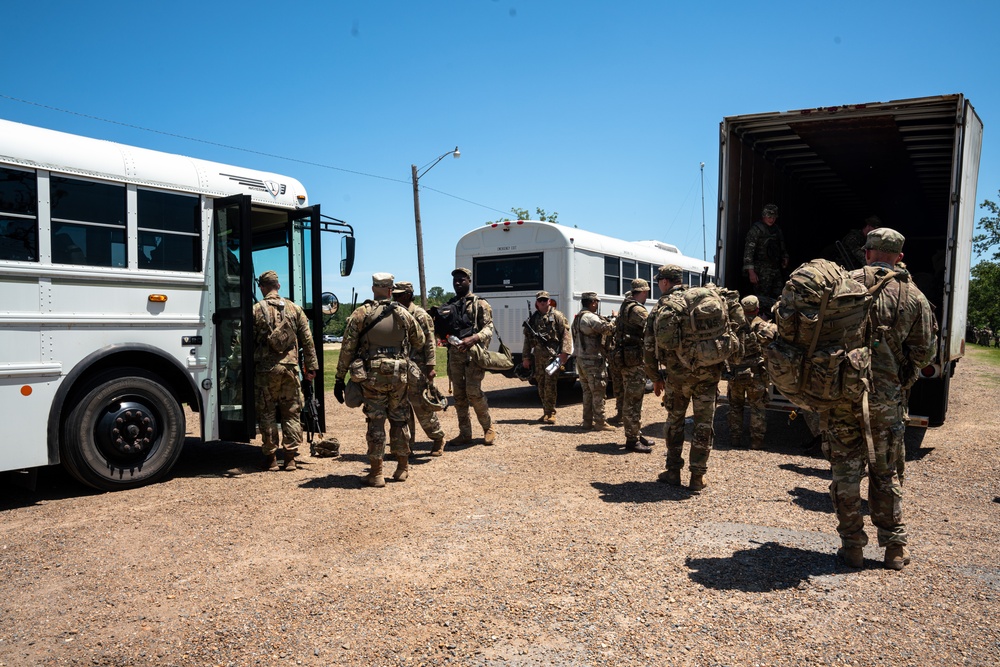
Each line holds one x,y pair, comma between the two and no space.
589,333
749,381
765,257
853,243
905,335
375,351
475,327
683,380
629,326
277,371
546,335
422,371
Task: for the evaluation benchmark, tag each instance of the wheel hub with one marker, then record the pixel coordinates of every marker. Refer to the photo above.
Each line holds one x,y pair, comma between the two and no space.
127,430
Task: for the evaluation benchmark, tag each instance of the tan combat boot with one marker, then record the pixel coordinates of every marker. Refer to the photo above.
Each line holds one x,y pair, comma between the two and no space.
757,443
375,477
437,449
616,420
671,477
270,463
490,436
460,439
602,426
852,557
402,468
290,461
697,483
897,557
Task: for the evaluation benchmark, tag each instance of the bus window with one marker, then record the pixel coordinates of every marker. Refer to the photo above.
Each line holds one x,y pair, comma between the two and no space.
612,275
169,231
628,274
18,215
88,222
508,272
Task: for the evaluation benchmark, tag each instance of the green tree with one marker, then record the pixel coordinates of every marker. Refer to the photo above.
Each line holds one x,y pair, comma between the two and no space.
990,226
984,295
523,214
437,296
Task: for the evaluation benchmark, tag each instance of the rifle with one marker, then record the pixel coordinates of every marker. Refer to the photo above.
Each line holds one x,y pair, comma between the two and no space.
310,415
541,339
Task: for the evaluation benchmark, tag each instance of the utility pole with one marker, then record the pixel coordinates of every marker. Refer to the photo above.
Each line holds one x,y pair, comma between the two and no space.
417,224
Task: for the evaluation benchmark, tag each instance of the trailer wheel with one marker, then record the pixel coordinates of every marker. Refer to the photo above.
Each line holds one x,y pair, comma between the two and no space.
127,430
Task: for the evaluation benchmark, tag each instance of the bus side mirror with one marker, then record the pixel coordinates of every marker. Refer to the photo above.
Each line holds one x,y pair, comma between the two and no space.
347,255
329,305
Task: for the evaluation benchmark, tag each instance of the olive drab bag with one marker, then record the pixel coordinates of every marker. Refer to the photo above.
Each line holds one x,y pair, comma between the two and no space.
281,335
821,355
695,325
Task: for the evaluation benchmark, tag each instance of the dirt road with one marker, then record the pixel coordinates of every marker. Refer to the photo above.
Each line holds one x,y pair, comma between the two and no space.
553,547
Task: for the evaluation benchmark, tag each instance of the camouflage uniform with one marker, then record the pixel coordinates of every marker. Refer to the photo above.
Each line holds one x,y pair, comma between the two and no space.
553,338
765,252
684,384
749,384
277,373
629,328
905,338
424,358
615,374
383,353
589,330
466,377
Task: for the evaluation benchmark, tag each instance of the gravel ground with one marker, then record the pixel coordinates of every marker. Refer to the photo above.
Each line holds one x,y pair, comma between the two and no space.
554,547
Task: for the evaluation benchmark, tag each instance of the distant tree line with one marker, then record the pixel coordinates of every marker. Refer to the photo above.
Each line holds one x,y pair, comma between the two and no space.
984,288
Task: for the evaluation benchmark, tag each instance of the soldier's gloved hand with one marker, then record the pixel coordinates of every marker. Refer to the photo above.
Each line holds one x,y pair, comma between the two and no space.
338,390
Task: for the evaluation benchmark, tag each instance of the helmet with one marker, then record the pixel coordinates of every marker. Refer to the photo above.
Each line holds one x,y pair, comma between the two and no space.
433,398
521,372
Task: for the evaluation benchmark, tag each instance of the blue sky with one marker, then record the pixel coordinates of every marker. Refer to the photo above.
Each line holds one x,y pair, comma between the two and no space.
601,111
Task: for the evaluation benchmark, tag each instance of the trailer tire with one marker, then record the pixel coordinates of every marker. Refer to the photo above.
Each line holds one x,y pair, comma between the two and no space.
127,430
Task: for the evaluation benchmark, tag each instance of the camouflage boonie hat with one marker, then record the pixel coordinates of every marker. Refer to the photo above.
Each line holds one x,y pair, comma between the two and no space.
542,294
639,285
402,288
750,303
382,279
670,272
589,296
770,209
885,240
462,272
268,277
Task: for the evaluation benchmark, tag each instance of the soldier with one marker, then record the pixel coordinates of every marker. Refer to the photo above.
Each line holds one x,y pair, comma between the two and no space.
589,333
470,323
280,328
546,336
905,337
377,342
853,243
688,378
629,326
765,256
425,360
749,381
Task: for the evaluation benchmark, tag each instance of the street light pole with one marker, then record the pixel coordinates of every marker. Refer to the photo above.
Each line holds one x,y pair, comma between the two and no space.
416,221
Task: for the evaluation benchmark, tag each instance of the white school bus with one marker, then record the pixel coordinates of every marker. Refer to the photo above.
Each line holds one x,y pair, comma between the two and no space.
512,260
128,285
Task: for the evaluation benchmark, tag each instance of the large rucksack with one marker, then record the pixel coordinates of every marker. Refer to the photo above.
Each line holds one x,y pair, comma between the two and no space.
821,356
695,325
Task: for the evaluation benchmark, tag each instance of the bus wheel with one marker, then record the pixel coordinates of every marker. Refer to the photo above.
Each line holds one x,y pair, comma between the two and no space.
127,430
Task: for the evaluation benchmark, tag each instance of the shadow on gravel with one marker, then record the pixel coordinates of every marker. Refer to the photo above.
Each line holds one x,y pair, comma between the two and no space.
913,441
821,473
333,482
813,501
614,448
640,492
768,567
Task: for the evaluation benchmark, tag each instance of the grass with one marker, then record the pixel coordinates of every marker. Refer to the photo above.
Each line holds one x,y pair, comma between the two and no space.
331,357
988,355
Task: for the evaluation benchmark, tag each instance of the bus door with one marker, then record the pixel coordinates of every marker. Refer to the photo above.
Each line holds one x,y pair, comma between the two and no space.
233,325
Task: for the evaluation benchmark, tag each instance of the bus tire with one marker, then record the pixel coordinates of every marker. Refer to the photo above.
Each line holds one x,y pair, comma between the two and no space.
127,430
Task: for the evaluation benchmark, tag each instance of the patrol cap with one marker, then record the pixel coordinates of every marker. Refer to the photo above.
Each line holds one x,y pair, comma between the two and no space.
402,288
462,272
542,294
750,303
382,279
670,272
269,277
589,296
770,209
639,285
885,240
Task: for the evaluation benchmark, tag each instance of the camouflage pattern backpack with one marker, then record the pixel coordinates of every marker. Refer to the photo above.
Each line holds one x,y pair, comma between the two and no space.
694,324
821,355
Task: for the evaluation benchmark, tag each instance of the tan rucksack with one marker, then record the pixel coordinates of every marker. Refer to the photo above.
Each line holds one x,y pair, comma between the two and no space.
694,324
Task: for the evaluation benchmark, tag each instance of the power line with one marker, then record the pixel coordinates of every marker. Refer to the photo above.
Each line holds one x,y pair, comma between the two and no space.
239,148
